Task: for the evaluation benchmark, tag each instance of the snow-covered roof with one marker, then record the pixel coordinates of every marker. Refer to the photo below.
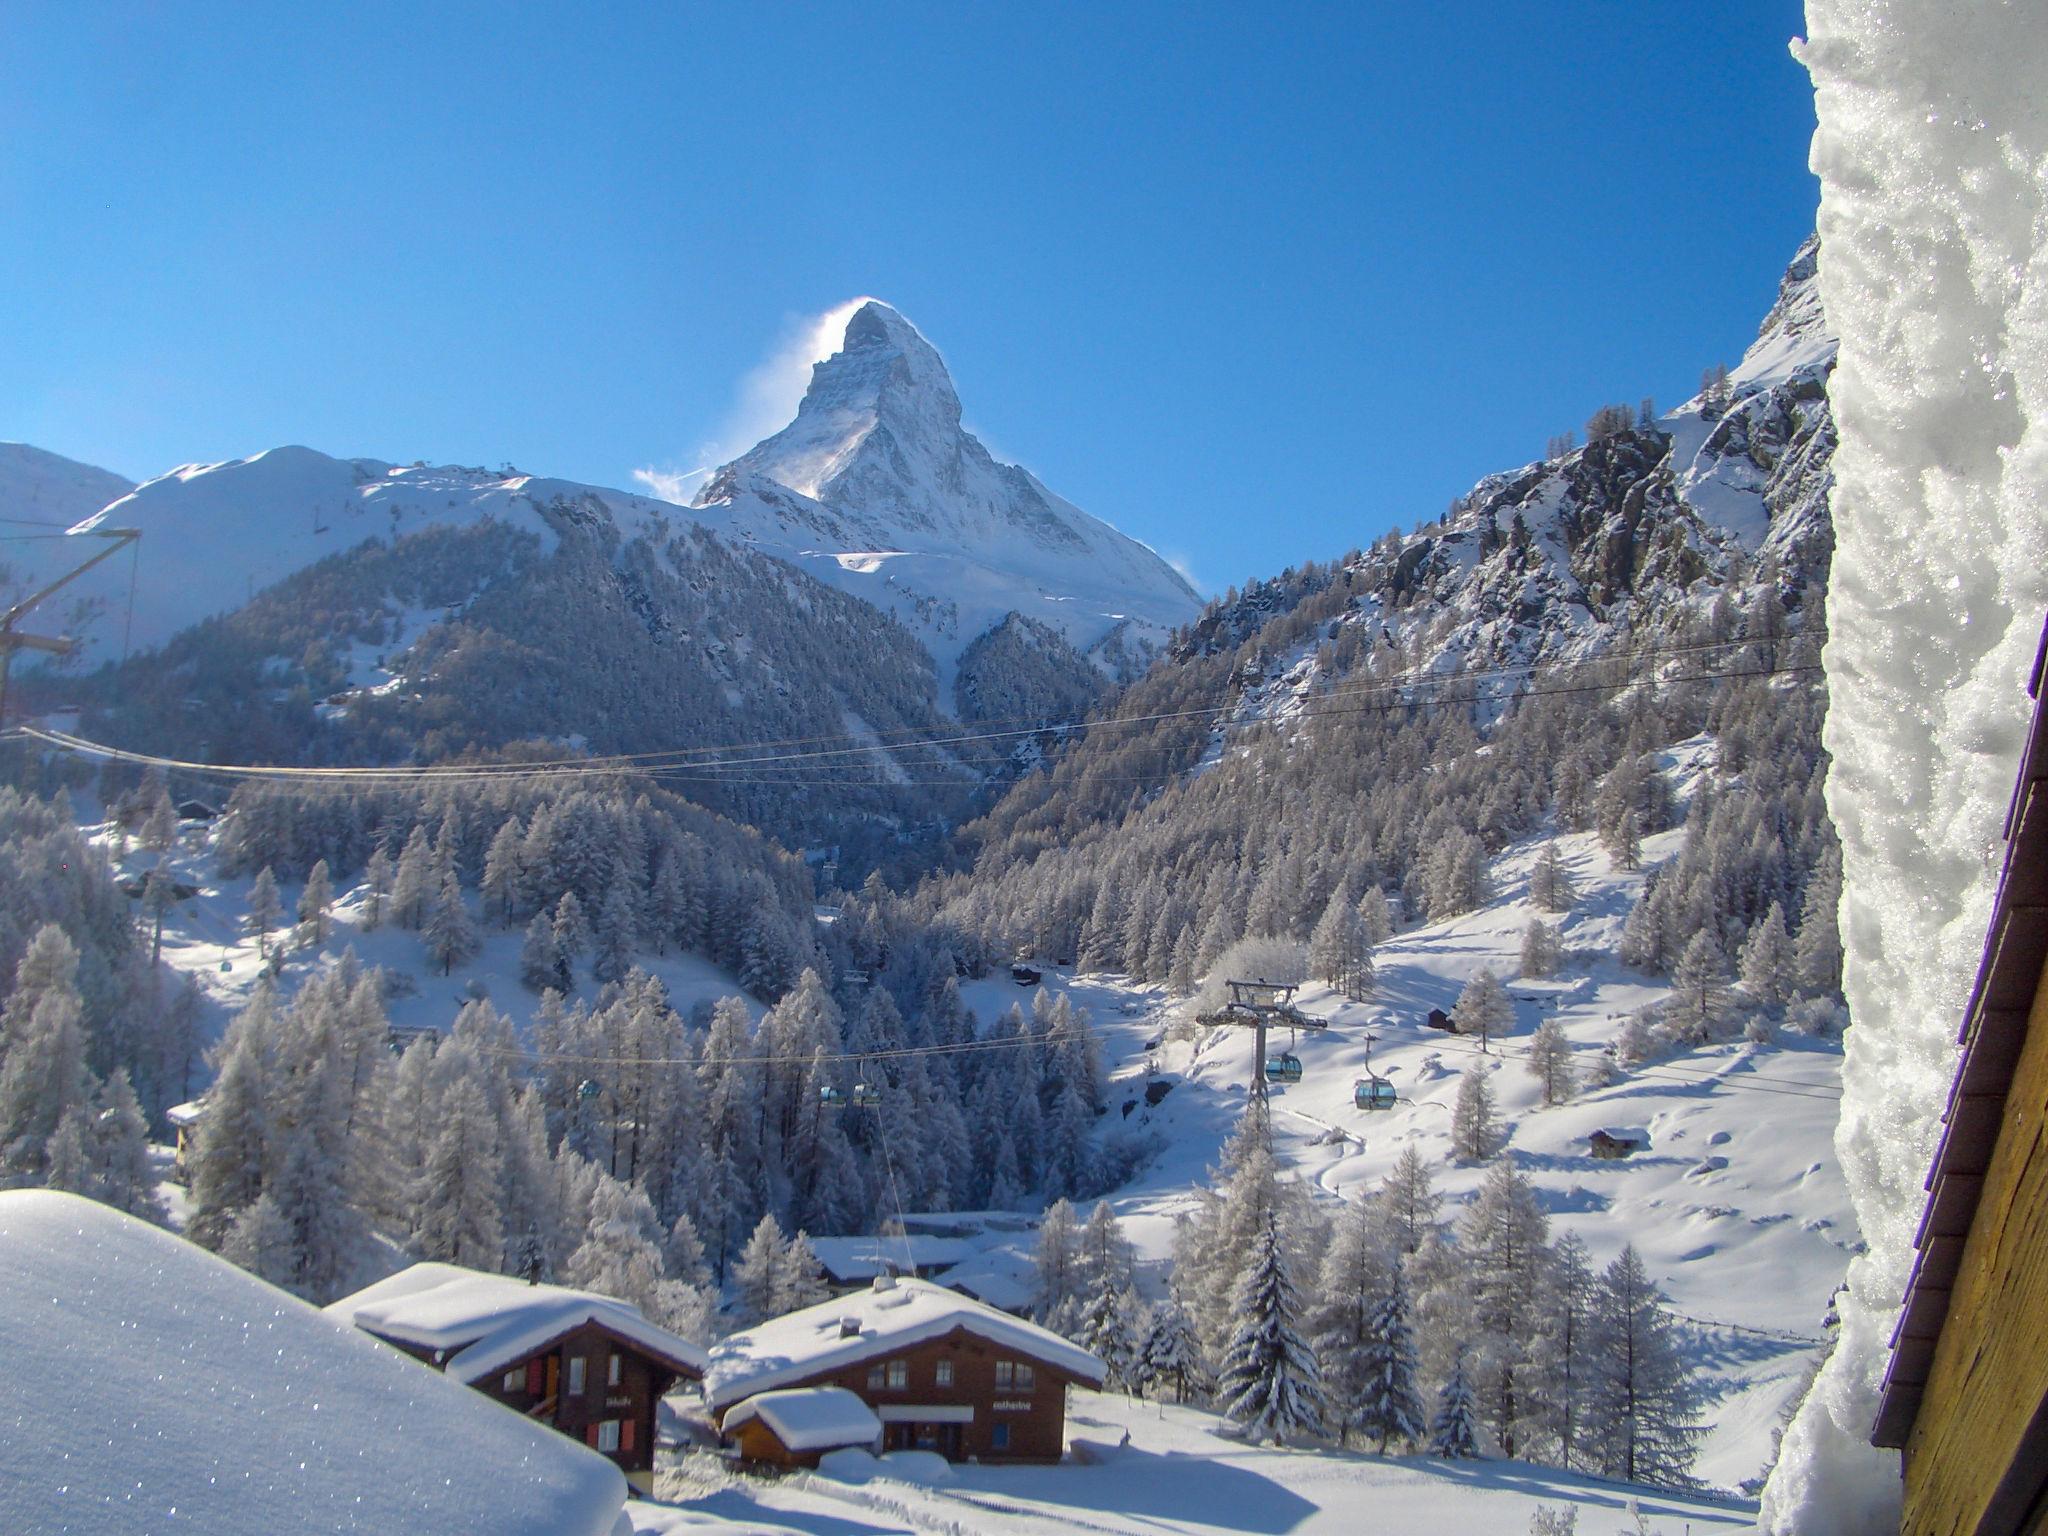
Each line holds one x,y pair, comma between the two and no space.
150,1384
187,1113
866,1324
810,1418
488,1322
863,1258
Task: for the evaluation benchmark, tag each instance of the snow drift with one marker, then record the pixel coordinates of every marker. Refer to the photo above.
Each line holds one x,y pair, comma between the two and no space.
1933,156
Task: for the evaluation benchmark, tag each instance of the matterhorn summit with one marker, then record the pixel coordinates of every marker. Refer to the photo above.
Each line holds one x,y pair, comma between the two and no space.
879,489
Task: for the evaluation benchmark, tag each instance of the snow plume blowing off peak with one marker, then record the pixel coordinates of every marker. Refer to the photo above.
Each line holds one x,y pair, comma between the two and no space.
767,401
1932,153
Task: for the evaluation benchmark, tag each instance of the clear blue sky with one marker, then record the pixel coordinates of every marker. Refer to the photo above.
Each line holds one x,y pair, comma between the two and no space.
1254,283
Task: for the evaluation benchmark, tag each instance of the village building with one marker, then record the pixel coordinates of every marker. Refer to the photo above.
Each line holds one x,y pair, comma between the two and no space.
851,1263
942,1372
589,1366
799,1425
184,1120
1965,1395
1614,1142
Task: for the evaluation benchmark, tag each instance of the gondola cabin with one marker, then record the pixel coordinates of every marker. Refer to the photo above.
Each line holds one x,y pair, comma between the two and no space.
866,1096
1374,1093
1284,1068
831,1098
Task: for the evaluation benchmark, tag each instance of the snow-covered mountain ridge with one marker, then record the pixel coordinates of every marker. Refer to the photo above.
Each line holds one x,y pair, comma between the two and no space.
879,489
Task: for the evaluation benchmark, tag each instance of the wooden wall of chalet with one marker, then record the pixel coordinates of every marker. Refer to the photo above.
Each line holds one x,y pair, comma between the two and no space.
1037,1416
1989,1378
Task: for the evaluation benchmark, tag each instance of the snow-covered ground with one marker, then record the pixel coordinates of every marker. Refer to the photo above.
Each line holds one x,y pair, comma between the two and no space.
1148,1470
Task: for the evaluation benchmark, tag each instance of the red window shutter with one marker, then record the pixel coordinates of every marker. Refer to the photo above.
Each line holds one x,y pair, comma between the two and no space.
626,1435
533,1376
590,1435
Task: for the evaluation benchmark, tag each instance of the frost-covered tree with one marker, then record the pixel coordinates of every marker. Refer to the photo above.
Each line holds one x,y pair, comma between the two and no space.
1699,990
266,908
541,965
1357,1269
1057,1258
1483,1008
1550,885
1539,957
760,1267
1550,1062
377,878
1643,1401
620,1254
1173,1353
450,934
1409,1200
1107,1329
1270,1383
117,1151
1562,1355
259,1239
1452,1432
459,1218
799,1277
1339,951
42,1051
316,904
1375,914
1817,955
1504,1254
1475,1126
1769,974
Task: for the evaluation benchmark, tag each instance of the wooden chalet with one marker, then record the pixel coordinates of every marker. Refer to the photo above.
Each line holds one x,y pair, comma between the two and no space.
797,1426
852,1263
1966,1391
1614,1143
586,1365
941,1371
184,1119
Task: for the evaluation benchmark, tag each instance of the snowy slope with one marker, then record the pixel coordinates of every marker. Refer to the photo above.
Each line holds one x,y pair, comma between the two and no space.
214,534
194,1396
1738,1206
1930,151
878,488
45,487
1146,1469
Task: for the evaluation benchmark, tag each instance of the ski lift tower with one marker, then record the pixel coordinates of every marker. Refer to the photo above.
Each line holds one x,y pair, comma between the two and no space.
1259,1006
12,639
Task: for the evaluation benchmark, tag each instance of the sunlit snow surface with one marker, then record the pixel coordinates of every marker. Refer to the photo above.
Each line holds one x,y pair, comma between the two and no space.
152,1387
1933,158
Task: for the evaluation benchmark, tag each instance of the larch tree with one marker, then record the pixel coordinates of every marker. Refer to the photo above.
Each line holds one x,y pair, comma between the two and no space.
1643,1403
1475,1125
1769,974
1483,1008
1550,1062
266,908
316,905
1550,886
1699,990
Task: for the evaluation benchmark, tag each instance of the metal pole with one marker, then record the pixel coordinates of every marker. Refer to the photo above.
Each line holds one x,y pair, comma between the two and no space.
1259,1058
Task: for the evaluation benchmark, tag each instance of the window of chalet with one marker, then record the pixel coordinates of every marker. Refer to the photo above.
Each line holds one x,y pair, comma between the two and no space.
899,1375
1024,1377
874,1378
944,1374
608,1435
575,1375
611,1372
1014,1373
514,1381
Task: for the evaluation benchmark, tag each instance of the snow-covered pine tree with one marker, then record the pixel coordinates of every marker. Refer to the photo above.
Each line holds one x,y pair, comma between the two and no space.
1173,1353
226,1162
1561,1358
1358,1264
1269,1382
1452,1433
1550,1062
1475,1126
504,873
1389,1408
377,878
572,932
259,1240
1817,950
1106,1330
457,1200
1376,915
